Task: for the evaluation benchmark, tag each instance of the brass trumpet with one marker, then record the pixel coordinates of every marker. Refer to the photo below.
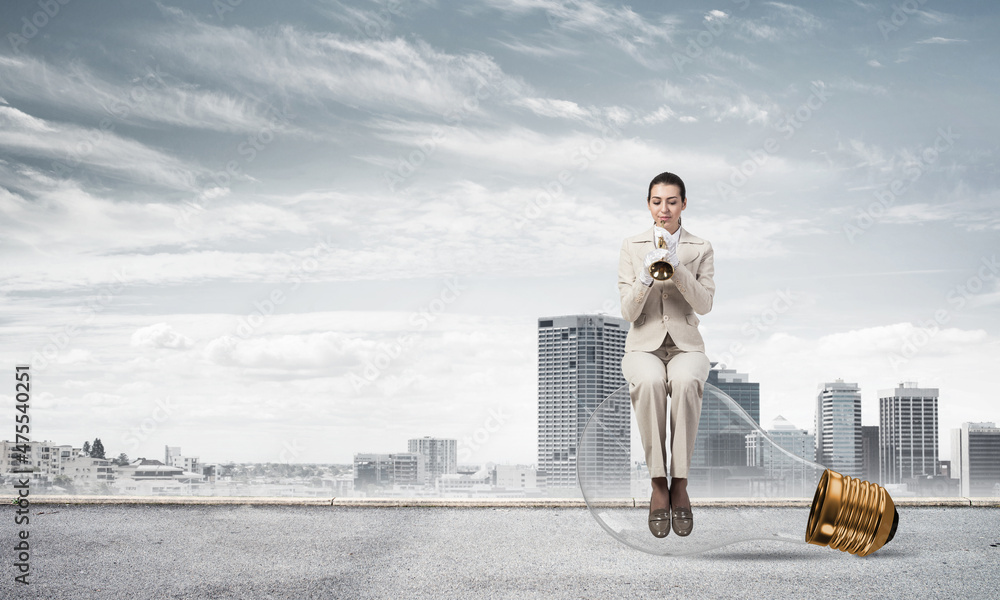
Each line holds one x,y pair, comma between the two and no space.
661,270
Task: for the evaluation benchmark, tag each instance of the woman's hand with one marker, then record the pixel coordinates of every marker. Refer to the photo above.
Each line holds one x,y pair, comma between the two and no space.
671,244
652,257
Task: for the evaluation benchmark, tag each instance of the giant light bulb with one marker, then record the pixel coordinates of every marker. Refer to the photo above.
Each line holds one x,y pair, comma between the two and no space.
846,513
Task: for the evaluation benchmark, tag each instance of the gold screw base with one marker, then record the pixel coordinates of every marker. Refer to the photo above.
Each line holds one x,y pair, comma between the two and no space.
851,515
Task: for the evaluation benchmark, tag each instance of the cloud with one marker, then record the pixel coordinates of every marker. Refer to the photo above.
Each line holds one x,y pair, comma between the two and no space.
76,355
57,217
942,40
548,107
282,267
867,155
663,113
851,85
918,212
756,235
289,352
624,28
154,96
782,22
719,99
541,50
396,74
101,150
160,335
797,16
591,159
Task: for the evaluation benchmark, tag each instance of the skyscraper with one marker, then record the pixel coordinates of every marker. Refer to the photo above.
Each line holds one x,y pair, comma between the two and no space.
579,365
908,437
719,461
721,440
838,427
440,456
975,459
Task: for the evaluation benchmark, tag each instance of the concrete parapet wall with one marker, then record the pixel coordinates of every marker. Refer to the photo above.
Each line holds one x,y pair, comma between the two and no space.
478,502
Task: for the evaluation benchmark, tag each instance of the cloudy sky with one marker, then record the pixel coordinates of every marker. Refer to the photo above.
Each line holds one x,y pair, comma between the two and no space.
295,231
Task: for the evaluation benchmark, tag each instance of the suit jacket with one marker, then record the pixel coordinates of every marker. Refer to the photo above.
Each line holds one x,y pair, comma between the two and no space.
668,306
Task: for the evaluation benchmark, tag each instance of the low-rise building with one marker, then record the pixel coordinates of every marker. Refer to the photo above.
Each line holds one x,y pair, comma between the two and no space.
787,464
45,459
152,478
88,474
515,477
465,484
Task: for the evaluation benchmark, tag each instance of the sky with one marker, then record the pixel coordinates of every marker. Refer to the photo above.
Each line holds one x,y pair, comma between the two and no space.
291,232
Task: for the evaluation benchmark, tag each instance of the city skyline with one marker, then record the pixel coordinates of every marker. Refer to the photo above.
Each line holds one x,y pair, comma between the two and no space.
296,231
465,445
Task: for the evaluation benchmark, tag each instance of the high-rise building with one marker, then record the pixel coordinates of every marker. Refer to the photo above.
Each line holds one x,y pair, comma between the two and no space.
721,440
408,469
908,436
738,386
869,453
975,459
719,461
784,476
440,456
579,365
838,427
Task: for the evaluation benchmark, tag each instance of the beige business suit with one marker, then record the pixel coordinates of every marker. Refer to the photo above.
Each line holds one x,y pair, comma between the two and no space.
664,351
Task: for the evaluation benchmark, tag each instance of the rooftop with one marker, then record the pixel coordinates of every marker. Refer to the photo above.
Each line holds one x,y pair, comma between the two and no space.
299,552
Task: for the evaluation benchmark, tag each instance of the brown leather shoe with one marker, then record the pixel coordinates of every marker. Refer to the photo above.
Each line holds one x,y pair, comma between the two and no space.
683,521
659,522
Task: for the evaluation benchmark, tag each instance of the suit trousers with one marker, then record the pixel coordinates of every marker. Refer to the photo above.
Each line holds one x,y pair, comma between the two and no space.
652,376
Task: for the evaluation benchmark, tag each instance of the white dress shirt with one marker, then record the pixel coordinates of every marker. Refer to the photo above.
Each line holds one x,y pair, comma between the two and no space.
672,238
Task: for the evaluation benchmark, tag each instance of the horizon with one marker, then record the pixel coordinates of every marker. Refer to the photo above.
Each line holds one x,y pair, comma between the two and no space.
636,449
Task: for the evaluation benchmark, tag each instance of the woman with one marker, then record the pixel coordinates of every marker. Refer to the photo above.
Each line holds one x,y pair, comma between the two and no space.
664,351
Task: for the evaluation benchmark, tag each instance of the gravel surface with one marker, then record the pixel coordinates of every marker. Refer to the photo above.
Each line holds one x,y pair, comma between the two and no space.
138,551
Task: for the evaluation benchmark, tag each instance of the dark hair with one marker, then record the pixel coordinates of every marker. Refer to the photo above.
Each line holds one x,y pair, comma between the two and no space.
666,179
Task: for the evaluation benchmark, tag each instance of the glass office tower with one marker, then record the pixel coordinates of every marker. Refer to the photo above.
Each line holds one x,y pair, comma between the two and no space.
719,464
908,439
579,365
839,443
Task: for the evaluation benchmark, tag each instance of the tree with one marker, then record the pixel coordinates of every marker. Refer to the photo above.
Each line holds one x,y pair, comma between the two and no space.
86,449
97,450
122,460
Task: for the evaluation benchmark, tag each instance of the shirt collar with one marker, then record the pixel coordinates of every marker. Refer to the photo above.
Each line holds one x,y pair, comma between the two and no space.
676,236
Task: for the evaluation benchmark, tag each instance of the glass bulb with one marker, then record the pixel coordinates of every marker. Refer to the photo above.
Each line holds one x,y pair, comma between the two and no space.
846,513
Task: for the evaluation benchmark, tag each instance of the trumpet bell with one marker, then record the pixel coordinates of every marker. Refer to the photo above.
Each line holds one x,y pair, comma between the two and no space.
661,270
